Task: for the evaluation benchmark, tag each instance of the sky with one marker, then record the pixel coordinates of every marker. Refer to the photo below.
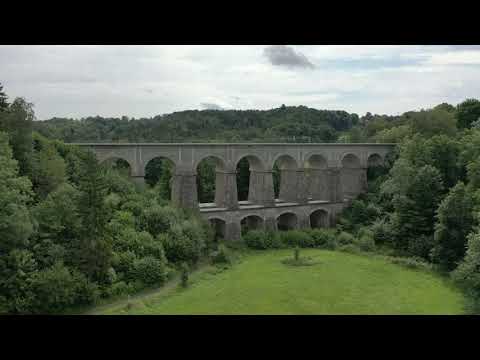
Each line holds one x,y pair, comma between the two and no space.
143,81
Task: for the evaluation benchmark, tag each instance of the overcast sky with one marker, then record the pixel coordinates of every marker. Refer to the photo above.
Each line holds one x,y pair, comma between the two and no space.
143,81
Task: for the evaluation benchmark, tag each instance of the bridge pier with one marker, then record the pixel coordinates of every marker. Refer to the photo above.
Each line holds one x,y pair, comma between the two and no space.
184,189
233,231
334,185
293,185
260,190
226,195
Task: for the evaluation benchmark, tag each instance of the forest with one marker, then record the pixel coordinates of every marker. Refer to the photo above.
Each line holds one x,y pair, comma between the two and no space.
75,232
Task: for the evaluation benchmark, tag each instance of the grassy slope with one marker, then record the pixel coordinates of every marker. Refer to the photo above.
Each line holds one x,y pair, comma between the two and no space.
339,284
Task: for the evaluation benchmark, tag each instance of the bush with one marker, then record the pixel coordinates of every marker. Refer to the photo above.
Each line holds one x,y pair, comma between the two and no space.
58,288
118,289
350,248
411,262
323,238
184,276
150,271
365,241
257,239
297,238
382,232
345,238
123,263
184,242
221,256
158,219
467,274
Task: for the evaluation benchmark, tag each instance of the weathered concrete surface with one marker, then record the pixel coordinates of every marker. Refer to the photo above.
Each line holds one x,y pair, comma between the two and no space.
333,173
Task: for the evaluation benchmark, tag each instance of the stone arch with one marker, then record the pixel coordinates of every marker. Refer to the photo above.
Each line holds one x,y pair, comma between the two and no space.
316,161
210,171
285,161
219,226
248,169
285,178
319,218
374,160
375,166
160,169
350,161
252,222
287,220
115,161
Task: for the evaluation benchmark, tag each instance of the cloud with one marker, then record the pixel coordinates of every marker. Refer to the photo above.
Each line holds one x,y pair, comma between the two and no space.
281,55
144,81
211,106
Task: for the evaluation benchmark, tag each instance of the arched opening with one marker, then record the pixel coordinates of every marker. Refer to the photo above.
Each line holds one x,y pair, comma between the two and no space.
319,219
350,161
287,221
285,178
218,226
207,184
376,171
159,172
251,222
316,176
119,165
245,180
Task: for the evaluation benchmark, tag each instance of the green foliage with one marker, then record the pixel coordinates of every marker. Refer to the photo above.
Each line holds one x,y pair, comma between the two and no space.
467,274
185,241
221,256
15,195
297,238
184,269
17,121
345,238
455,222
57,288
468,112
150,271
323,238
48,168
258,239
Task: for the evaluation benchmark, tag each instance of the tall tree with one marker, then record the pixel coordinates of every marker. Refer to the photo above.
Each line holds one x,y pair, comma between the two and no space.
17,122
468,112
455,222
3,100
94,248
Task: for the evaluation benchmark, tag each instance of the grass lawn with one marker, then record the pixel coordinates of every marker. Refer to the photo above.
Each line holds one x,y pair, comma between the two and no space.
338,283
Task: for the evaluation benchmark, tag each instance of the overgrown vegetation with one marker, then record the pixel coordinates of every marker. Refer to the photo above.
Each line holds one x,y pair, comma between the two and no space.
74,232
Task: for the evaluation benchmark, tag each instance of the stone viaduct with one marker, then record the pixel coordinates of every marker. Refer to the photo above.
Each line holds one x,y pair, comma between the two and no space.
316,180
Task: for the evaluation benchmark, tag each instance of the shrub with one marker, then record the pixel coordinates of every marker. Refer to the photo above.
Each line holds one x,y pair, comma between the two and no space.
123,263
297,238
411,262
350,248
221,256
184,242
345,238
58,288
150,271
296,253
119,289
365,241
256,239
184,276
382,232
323,238
158,219
467,274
